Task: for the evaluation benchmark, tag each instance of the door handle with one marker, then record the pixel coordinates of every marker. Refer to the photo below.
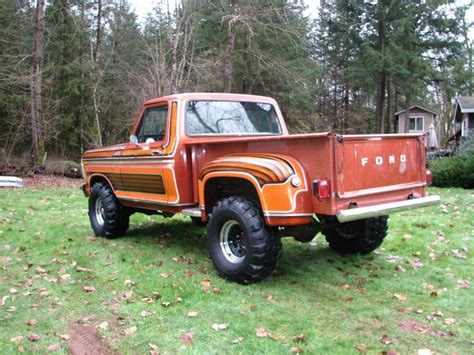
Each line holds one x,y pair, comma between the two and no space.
155,152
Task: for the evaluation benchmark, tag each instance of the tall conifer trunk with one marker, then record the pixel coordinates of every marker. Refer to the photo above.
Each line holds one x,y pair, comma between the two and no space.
381,77
97,134
36,102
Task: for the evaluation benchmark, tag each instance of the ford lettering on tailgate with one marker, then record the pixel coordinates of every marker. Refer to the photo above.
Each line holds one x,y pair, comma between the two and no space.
365,163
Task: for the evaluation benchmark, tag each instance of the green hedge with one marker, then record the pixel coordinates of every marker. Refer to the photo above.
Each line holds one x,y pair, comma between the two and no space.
447,171
457,171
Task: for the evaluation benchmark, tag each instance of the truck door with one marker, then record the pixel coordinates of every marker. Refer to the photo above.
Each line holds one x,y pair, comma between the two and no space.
142,163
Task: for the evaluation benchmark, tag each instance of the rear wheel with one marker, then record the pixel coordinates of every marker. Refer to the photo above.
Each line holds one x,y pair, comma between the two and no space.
107,216
243,249
362,236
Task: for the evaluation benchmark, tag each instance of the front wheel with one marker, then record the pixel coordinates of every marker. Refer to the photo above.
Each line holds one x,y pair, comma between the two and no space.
243,249
363,236
107,216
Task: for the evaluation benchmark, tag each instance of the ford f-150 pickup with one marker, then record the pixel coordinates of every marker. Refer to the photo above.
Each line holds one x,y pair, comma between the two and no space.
227,161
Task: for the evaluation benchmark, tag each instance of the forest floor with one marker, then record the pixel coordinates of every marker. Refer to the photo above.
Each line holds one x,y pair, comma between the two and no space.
155,290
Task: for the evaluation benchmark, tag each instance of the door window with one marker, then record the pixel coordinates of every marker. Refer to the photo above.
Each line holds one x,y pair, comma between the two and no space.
153,125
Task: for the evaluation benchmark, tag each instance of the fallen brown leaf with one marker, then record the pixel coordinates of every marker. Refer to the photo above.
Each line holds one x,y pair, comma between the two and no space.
65,277
296,350
82,269
89,288
165,275
33,337
206,283
238,340
130,331
54,347
385,339
129,283
192,314
154,349
434,316
400,297
187,338
462,284
125,295
16,339
261,333
40,270
424,352
399,268
104,325
298,338
450,321
32,322
3,299
416,263
458,254
145,314
218,327
362,348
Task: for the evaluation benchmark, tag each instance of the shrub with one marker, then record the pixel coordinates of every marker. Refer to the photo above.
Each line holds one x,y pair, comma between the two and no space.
468,172
447,172
458,170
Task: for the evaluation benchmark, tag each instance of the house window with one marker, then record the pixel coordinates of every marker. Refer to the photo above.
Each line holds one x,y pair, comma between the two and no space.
416,123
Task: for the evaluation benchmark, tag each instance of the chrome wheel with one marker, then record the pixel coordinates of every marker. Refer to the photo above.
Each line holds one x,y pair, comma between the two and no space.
99,211
232,242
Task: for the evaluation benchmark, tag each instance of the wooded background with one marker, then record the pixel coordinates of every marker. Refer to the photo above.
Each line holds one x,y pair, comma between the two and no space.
74,73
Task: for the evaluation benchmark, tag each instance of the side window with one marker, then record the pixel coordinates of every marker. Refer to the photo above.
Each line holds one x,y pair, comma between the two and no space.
153,124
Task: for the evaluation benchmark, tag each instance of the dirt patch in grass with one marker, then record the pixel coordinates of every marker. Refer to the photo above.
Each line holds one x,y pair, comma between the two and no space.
411,326
86,340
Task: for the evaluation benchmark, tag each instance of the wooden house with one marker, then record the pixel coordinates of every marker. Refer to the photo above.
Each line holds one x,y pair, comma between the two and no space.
419,121
464,115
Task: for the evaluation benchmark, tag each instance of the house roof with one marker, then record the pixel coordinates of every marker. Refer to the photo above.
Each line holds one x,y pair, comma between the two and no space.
420,107
466,103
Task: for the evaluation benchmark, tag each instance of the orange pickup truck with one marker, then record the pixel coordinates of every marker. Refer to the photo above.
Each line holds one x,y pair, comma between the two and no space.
227,160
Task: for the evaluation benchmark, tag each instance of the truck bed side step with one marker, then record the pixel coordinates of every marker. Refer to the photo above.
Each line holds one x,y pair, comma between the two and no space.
192,212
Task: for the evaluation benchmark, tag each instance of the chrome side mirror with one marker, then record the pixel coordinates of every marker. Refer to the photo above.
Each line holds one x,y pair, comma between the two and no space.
134,139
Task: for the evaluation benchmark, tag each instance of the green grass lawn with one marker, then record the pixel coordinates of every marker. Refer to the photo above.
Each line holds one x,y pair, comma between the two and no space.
413,293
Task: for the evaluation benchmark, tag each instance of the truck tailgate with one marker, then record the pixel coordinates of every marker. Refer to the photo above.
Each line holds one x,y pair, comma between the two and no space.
373,164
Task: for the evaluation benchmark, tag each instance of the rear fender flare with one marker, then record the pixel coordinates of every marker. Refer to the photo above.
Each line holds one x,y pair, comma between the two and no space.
230,175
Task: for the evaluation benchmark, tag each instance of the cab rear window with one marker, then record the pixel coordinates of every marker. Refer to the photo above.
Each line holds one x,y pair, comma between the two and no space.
231,118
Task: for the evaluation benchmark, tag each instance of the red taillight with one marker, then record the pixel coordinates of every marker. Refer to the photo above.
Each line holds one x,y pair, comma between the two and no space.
429,177
322,188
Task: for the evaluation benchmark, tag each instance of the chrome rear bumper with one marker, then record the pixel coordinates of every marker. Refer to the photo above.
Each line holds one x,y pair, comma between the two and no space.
355,214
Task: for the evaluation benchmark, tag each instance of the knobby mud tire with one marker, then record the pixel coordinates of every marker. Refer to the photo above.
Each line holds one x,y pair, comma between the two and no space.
262,249
368,235
115,217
